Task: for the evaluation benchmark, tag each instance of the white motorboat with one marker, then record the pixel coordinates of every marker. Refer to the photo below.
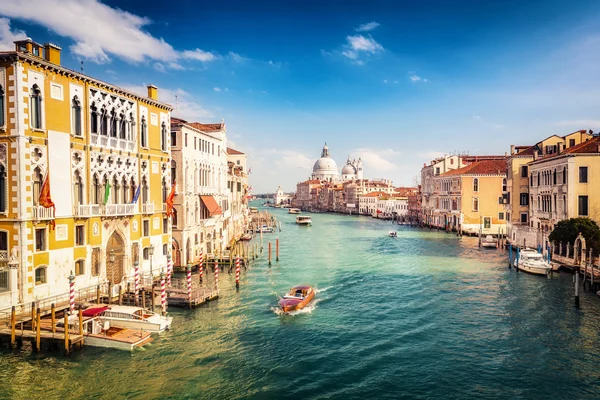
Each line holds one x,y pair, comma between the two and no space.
489,242
294,211
393,234
529,260
303,220
265,229
135,318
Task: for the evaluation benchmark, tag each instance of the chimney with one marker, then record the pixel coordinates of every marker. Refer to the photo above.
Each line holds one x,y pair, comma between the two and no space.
535,155
24,46
512,149
52,53
560,147
152,92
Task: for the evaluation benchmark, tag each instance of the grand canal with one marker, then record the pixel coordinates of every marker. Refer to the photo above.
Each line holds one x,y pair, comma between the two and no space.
426,315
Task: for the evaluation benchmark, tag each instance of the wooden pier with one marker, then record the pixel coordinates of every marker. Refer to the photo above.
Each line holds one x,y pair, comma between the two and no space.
179,297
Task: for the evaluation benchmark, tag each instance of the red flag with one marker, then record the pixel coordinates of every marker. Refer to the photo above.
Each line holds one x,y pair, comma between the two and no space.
45,200
378,211
170,200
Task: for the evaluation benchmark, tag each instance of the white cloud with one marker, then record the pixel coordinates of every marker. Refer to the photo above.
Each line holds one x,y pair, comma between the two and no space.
294,160
416,78
184,104
430,155
236,57
358,45
7,36
377,160
368,27
99,30
217,89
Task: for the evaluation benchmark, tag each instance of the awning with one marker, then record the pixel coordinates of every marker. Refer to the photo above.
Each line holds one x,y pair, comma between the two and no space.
211,204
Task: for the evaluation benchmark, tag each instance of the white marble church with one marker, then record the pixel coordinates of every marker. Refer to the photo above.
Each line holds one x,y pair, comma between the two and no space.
326,170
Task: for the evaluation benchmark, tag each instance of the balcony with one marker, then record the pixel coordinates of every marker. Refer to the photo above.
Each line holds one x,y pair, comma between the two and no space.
40,213
148,208
86,210
3,256
114,210
112,142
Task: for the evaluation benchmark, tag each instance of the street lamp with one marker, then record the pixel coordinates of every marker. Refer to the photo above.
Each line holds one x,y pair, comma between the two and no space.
151,252
111,258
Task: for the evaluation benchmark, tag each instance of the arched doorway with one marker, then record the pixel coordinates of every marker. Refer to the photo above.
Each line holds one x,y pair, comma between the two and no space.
176,254
114,269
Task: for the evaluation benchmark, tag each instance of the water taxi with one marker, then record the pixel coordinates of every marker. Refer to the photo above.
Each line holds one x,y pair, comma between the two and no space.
303,220
489,242
294,211
265,229
297,298
529,260
133,317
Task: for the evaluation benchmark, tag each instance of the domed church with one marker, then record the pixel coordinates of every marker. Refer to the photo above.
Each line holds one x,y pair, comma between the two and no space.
325,169
353,170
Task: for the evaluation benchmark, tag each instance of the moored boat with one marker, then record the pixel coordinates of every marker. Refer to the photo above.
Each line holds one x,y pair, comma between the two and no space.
294,211
304,220
529,260
265,229
297,298
489,242
131,317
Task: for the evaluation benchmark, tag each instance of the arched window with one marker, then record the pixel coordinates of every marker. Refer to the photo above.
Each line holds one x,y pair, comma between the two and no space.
504,184
144,132
130,135
564,174
2,106
125,199
163,137
77,188
476,185
106,190
37,185
76,116
104,122
132,189
3,193
95,190
122,126
93,118
35,113
145,194
116,187
40,275
113,123
173,172
565,204
538,181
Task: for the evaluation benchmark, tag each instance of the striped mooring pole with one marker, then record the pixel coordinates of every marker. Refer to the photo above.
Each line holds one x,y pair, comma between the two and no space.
217,274
163,293
136,288
200,262
169,269
237,272
71,293
189,284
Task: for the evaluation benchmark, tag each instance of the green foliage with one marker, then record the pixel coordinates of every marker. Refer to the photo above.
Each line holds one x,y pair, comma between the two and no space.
568,229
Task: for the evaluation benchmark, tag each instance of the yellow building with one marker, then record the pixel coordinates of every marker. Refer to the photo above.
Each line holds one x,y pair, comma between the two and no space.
100,146
470,198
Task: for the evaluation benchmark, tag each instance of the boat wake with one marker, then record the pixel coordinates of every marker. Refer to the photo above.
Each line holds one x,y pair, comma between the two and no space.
317,290
306,310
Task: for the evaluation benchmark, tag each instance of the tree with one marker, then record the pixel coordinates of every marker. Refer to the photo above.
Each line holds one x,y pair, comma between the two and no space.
568,229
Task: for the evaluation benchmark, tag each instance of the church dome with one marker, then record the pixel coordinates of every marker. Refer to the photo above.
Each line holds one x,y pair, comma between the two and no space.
348,169
325,165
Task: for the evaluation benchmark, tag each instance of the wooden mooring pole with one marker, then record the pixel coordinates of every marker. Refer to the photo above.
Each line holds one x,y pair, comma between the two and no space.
33,316
269,253
38,339
510,256
143,298
67,347
13,327
53,316
276,249
577,287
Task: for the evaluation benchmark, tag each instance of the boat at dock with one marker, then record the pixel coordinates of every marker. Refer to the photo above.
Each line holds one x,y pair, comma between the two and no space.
294,211
489,242
265,229
529,260
304,220
132,317
297,298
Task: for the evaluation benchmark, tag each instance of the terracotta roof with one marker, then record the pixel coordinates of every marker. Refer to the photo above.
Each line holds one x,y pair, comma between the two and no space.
587,147
233,151
374,194
529,151
177,121
484,167
206,127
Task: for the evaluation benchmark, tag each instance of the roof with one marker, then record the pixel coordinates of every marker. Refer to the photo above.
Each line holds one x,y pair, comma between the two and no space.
374,194
484,167
587,147
207,127
233,151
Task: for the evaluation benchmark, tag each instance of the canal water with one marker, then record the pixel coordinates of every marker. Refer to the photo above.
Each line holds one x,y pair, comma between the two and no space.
426,315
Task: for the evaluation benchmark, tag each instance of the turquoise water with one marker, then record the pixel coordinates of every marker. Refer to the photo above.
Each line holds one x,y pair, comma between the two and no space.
426,315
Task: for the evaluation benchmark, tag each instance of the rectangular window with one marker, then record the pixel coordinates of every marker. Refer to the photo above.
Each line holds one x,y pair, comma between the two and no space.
239,186
500,200
146,227
508,216
146,253
583,206
213,149
173,139
475,204
487,222
524,171
523,218
4,282
195,143
80,267
186,139
524,199
80,235
571,142
583,174
501,216
165,225
40,239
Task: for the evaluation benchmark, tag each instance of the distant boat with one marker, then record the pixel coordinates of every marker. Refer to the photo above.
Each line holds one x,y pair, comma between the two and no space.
265,229
246,237
489,242
303,220
529,260
294,211
393,234
297,298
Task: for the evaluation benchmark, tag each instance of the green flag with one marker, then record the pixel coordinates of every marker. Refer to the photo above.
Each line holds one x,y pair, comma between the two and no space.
107,192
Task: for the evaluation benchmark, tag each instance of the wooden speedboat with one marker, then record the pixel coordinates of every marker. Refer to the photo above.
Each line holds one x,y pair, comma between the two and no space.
489,242
303,220
131,317
297,298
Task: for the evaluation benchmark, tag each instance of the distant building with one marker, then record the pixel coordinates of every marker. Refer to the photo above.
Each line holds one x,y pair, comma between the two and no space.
281,198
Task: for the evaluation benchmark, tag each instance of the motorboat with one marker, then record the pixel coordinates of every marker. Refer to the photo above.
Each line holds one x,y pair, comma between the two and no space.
294,211
246,237
265,229
529,260
393,234
489,242
297,298
132,317
303,220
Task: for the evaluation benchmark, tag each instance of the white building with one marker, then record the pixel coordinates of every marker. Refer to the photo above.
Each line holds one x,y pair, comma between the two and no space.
325,169
280,197
353,170
238,194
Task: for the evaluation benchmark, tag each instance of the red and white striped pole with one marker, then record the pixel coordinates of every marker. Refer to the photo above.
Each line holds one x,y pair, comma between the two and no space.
136,266
169,269
216,274
237,272
200,262
163,293
189,284
71,294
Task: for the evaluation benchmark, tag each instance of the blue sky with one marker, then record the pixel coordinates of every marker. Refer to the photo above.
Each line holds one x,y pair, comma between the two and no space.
395,82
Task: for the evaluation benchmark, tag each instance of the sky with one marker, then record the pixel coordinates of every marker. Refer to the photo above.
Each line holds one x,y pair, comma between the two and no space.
394,82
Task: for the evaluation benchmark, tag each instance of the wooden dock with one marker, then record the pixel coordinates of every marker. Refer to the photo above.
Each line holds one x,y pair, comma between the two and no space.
48,339
179,297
